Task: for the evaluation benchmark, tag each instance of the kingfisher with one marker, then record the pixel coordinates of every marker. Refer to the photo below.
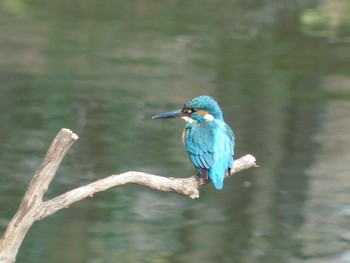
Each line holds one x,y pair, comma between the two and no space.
208,139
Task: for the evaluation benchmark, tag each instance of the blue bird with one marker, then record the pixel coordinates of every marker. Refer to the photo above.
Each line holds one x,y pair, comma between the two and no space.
208,139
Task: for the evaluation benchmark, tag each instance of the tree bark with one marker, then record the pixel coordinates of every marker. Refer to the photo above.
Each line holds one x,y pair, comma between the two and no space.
32,200
32,207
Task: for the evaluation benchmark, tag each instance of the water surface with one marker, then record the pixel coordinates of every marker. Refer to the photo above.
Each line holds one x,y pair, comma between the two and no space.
279,70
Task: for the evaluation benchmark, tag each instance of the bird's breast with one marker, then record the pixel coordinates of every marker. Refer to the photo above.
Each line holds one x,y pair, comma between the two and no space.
184,136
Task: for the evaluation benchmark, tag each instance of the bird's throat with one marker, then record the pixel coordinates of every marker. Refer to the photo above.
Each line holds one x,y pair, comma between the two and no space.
206,117
187,119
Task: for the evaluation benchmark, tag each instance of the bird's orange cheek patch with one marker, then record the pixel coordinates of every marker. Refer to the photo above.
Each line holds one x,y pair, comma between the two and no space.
202,112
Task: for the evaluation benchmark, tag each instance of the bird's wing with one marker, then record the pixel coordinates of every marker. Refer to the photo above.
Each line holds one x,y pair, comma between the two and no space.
231,144
204,147
199,144
222,153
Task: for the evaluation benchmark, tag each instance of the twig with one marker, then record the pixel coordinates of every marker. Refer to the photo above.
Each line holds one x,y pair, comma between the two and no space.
33,208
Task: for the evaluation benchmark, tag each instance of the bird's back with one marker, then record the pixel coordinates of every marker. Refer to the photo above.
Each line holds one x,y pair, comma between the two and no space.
210,145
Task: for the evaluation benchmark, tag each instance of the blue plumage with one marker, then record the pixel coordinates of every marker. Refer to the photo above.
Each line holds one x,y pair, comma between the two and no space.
210,147
208,139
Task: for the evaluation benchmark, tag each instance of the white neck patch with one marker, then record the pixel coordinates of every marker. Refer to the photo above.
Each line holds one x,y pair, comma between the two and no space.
208,117
187,119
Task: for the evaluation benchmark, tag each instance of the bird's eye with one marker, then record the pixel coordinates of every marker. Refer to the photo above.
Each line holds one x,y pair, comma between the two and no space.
189,111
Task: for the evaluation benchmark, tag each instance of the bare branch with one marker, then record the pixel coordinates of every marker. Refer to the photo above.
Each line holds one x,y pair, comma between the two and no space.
184,186
33,208
32,200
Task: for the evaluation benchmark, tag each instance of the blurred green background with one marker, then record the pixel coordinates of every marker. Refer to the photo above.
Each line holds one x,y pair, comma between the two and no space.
280,72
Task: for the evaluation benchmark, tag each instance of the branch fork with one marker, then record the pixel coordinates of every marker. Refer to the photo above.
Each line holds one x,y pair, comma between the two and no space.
32,207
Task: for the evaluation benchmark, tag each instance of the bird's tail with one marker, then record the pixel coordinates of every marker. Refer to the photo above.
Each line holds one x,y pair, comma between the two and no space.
217,177
219,184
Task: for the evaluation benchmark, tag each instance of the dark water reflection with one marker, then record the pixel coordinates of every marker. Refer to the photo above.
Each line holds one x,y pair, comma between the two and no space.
280,72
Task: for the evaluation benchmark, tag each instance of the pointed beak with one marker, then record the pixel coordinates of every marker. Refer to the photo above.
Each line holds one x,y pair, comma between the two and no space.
170,114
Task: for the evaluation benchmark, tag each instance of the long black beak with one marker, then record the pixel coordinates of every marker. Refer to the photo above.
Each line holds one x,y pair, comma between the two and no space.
170,114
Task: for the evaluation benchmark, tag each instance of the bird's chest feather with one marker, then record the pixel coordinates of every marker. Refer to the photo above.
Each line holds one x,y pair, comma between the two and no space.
210,137
198,133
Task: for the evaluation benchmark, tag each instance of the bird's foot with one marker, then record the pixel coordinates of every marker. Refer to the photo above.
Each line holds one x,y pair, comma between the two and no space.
204,176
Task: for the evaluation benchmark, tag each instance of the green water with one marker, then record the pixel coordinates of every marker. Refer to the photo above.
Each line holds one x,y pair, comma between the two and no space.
279,70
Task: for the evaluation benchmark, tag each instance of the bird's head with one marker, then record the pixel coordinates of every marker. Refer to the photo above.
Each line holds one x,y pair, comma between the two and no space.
203,108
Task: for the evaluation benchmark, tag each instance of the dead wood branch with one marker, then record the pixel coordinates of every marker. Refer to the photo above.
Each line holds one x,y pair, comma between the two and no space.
32,207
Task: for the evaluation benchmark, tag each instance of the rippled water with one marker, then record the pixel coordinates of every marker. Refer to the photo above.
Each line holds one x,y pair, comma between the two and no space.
279,70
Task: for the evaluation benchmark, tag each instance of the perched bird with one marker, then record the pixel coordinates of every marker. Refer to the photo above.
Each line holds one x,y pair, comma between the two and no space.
209,140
